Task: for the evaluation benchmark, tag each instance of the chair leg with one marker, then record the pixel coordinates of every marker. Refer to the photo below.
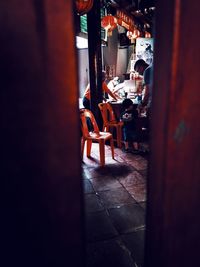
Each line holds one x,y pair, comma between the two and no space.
119,136
102,152
89,145
112,147
82,146
106,128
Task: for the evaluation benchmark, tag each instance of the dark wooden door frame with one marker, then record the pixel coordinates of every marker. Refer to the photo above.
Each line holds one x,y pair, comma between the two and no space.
41,175
41,189
173,219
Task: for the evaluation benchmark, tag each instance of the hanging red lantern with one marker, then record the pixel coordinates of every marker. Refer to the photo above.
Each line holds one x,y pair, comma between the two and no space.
109,23
147,34
83,6
119,21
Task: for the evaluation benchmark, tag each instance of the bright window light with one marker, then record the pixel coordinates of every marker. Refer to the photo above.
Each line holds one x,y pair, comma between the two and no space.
81,42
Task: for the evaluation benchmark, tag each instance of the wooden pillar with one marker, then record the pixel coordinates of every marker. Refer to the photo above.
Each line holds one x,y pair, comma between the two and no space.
95,59
41,194
173,219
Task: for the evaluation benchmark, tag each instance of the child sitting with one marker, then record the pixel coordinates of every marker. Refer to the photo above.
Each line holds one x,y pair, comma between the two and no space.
130,133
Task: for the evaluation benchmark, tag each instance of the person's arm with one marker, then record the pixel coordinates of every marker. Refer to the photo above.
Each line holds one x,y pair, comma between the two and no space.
118,87
146,95
107,90
147,85
111,87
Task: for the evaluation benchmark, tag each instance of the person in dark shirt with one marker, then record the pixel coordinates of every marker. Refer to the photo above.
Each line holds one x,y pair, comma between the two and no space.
148,80
130,133
147,71
140,66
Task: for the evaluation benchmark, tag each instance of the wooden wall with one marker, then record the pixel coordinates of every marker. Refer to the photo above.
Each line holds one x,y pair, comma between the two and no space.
41,211
40,165
173,218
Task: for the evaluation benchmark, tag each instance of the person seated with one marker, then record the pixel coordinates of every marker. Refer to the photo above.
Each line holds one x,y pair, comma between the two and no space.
130,133
105,89
114,85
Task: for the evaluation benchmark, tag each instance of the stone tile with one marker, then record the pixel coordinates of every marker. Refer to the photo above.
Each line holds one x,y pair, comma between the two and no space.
107,254
115,198
109,160
95,151
92,161
119,159
94,172
121,169
141,164
119,151
136,157
128,157
117,183
99,171
132,179
105,183
135,243
144,173
87,186
112,170
92,203
99,227
86,171
143,205
138,192
128,218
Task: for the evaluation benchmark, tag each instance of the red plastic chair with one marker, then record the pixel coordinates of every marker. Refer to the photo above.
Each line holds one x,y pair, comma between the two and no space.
94,136
109,121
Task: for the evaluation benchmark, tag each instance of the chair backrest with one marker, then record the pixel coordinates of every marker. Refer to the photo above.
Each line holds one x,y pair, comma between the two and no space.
107,113
85,116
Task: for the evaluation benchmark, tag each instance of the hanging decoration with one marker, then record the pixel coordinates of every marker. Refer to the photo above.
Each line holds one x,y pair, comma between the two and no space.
129,34
136,33
132,34
83,6
124,20
147,34
109,23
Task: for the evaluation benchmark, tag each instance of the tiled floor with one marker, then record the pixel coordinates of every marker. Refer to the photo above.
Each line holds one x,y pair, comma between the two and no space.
115,198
